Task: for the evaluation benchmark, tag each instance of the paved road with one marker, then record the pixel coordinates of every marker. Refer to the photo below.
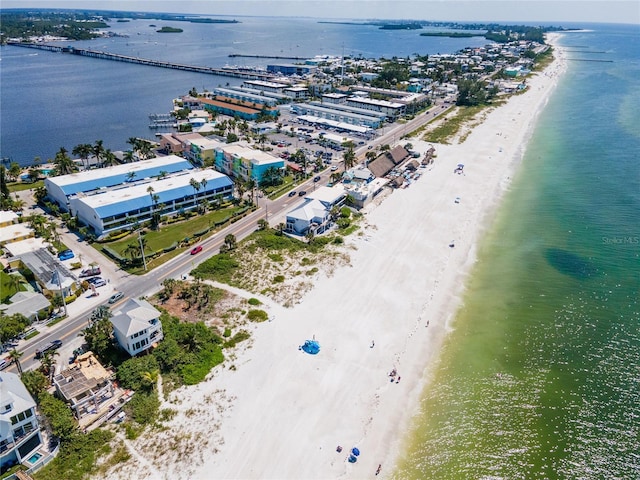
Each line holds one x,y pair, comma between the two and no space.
139,286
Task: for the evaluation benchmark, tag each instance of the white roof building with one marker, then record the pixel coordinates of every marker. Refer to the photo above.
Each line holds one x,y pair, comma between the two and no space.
137,326
15,232
117,208
19,428
62,188
314,214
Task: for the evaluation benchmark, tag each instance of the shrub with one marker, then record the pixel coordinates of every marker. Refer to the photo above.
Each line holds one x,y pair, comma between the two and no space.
219,267
278,279
254,301
227,332
257,315
241,336
276,257
345,212
343,222
143,407
70,299
338,240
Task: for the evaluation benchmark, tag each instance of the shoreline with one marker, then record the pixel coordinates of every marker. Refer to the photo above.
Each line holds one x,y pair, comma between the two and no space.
272,411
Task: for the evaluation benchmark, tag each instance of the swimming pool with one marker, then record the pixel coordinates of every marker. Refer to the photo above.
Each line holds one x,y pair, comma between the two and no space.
33,459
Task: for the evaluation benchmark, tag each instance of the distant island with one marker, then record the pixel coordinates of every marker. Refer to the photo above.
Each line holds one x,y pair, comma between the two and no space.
451,34
170,30
401,26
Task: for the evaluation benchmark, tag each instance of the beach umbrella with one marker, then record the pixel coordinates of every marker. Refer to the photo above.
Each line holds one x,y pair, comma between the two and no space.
460,165
355,451
352,459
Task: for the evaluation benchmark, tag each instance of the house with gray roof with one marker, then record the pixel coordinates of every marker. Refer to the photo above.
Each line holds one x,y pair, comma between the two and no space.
31,305
137,326
49,273
19,429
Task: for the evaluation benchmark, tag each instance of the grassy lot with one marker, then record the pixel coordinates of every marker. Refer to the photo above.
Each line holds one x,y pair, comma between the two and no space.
276,191
181,232
19,186
7,287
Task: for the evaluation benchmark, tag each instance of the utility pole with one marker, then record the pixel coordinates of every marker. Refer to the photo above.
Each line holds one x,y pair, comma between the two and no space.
64,304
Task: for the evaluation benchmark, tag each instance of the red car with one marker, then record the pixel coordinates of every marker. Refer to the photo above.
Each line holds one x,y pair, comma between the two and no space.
197,249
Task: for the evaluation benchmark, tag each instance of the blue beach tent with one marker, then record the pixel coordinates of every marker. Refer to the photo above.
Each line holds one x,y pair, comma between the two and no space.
311,347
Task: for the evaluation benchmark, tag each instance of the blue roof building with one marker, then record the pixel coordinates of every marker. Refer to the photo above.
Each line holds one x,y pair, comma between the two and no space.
60,189
120,207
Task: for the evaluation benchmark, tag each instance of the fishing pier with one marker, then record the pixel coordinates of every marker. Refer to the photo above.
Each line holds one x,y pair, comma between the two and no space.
237,72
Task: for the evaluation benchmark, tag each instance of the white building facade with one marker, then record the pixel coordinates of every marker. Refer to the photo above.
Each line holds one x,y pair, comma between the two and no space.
137,326
19,429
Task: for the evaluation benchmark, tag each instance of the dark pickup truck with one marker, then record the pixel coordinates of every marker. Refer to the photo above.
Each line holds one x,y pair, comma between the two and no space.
54,345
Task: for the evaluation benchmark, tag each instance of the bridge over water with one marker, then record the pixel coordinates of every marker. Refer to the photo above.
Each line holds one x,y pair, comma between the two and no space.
236,72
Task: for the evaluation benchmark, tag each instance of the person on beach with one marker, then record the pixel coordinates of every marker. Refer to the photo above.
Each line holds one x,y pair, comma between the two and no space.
373,344
379,468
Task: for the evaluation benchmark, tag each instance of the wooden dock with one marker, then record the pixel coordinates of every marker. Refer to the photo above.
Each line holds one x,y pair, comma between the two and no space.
238,72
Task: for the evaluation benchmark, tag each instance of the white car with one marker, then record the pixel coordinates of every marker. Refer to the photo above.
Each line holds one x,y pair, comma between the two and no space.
334,168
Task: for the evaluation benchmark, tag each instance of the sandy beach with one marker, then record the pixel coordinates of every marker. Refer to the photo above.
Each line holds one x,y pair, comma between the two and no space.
275,412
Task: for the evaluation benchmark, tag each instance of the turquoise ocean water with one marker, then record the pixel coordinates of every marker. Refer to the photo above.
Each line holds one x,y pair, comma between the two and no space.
541,377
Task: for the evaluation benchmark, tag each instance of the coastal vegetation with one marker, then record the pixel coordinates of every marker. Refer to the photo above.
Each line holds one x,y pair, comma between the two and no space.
170,30
275,265
74,25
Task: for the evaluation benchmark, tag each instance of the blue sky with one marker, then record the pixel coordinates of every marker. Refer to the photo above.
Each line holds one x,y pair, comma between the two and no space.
547,11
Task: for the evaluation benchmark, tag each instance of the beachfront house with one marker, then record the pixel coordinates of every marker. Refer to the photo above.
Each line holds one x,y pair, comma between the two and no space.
387,161
19,429
315,213
137,326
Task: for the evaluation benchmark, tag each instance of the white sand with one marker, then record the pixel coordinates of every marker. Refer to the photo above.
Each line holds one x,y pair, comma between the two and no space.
287,411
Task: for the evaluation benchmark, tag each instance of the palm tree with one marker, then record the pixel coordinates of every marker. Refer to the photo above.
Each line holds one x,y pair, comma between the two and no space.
145,149
109,158
14,170
83,150
130,176
262,140
151,377
370,156
135,144
64,164
47,361
251,185
15,355
132,251
196,188
16,282
240,187
230,241
129,157
349,156
40,193
98,151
